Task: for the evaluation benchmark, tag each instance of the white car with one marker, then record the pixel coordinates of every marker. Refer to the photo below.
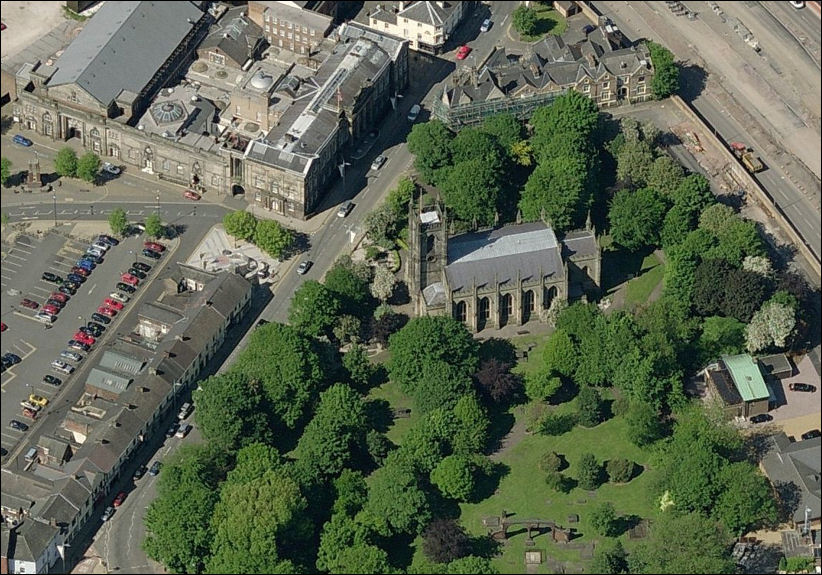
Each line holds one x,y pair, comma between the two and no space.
103,247
185,410
344,208
797,5
414,112
378,162
62,367
486,25
111,169
117,296
71,355
183,430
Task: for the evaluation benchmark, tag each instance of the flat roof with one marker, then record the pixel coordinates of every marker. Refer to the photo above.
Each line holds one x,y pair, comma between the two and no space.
746,376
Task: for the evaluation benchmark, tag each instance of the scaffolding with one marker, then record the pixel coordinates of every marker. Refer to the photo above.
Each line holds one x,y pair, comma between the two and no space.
464,115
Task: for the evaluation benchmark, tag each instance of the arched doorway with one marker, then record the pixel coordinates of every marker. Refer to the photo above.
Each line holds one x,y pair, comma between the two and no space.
527,305
48,125
506,309
96,141
548,296
237,190
148,160
460,311
483,313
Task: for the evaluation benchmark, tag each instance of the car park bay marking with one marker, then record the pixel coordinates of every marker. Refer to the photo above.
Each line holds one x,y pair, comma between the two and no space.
92,289
25,354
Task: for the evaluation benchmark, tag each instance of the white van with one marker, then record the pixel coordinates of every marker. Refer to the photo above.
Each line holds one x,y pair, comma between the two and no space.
31,454
185,409
413,113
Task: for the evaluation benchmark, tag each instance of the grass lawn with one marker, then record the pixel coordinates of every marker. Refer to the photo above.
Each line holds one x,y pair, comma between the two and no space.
522,492
549,21
391,393
640,288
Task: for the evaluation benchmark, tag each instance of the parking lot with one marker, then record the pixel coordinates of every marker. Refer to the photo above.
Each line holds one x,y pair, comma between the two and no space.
25,260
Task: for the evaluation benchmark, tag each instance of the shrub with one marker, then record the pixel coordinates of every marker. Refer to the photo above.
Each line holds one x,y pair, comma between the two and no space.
557,424
588,472
550,462
558,482
620,470
604,519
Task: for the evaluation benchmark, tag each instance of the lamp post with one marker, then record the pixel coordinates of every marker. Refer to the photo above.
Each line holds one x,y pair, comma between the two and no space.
157,197
54,203
342,166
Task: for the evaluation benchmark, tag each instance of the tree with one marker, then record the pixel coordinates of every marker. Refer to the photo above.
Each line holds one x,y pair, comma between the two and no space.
693,193
744,293
471,191
610,558
352,492
505,128
643,422
550,461
541,385
118,221
571,114
634,162
720,336
771,326
620,470
716,217
604,520
347,329
738,240
283,360
560,354
334,435
253,461
635,218
232,411
522,153
589,406
444,541
759,264
496,382
525,20
273,238
5,170
454,477
431,145
396,504
683,543
472,424
154,225
88,167
359,367
351,287
665,175
558,482
386,325
257,525
746,500
556,190
666,72
473,144
240,224
381,226
440,385
314,308
588,471
426,339
470,564
65,163
691,476
708,293
382,287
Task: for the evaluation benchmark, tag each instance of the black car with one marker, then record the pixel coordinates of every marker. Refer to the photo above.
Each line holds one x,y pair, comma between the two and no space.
811,434
137,273
72,285
152,254
13,358
76,278
124,287
6,362
98,317
56,303
139,472
806,387
51,380
18,425
172,430
96,328
68,290
141,266
761,418
108,240
155,468
53,278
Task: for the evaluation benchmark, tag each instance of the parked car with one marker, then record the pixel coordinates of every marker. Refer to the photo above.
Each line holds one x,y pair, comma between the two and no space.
108,239
345,208
761,418
102,246
155,468
79,345
486,25
304,266
117,296
67,289
12,358
107,513
53,278
80,271
62,367
114,304
31,304
51,380
378,162
18,425
130,279
588,28
94,258
811,434
60,296
56,303
96,328
94,252
191,195
105,310
31,413
185,411
172,430
21,140
71,355
152,254
30,406
802,387
50,309
125,287
38,400
110,168
76,278
100,318
143,267
154,246
183,430
45,317
137,273
118,501
80,335
414,112
3,326
139,472
463,51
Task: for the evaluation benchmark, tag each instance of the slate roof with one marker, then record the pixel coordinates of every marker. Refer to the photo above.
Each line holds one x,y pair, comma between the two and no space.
106,380
579,243
501,254
101,60
116,361
429,12
298,16
799,463
28,540
235,35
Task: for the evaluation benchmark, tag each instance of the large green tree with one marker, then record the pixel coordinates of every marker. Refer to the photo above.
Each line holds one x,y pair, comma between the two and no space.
284,361
666,72
346,547
65,163
273,238
505,128
240,224
556,191
440,385
232,411
473,144
588,471
635,218
524,19
560,354
314,308
604,519
5,170
665,175
426,339
349,280
454,477
644,426
118,221
445,540
431,145
396,503
746,501
471,191
589,406
609,558
635,161
154,225
88,167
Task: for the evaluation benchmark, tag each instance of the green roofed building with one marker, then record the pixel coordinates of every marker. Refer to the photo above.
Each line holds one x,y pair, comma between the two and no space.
738,382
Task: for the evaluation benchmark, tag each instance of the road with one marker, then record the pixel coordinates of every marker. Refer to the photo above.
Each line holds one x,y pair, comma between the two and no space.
759,112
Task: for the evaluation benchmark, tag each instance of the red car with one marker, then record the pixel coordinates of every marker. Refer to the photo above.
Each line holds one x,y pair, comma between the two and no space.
29,304
80,271
118,501
113,303
105,310
463,51
191,195
84,338
130,279
3,327
59,297
50,309
155,246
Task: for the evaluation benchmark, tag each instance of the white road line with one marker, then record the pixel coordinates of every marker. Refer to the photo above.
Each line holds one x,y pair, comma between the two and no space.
92,289
13,264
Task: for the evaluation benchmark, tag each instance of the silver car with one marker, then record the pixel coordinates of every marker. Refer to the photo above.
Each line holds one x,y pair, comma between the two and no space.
71,355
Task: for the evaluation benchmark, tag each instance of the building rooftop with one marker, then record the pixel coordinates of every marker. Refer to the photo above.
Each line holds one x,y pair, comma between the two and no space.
746,376
799,463
235,35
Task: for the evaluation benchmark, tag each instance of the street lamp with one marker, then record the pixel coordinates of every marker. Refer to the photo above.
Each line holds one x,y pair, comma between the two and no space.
54,203
157,197
342,166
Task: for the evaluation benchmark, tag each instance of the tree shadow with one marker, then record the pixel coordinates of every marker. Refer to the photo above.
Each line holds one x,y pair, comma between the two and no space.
620,266
567,391
487,482
401,295
379,414
301,244
627,522
485,546
606,409
692,80
788,499
399,548
501,424
498,348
